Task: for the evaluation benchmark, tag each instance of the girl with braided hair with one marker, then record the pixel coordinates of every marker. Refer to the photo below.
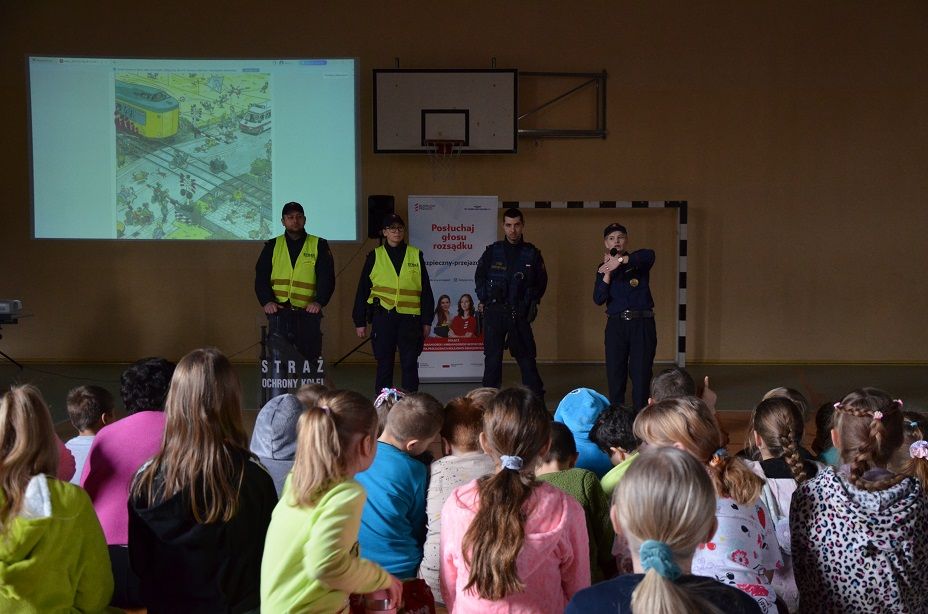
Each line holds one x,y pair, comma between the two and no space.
858,533
777,433
743,551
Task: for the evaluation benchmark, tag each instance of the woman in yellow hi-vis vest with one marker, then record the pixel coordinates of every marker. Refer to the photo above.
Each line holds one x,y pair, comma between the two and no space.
395,297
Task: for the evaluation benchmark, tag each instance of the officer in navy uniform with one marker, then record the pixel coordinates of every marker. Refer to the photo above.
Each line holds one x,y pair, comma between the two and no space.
511,279
395,296
294,280
622,283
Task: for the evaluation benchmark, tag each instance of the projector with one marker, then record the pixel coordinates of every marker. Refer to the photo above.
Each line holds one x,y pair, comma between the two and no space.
11,307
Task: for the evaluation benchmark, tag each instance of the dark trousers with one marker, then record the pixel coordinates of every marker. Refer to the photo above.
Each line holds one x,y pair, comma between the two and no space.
502,330
391,331
300,328
630,347
127,590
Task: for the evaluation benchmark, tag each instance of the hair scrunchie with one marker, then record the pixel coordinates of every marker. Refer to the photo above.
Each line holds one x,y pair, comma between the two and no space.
513,463
919,449
388,393
658,556
719,457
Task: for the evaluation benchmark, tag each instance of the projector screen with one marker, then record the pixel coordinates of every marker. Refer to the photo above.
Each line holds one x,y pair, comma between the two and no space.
192,149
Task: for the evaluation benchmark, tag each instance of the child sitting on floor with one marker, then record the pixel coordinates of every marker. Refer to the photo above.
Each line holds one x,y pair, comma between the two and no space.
744,551
579,410
90,408
508,542
822,446
873,556
778,428
665,507
311,561
557,468
614,435
52,552
393,522
465,462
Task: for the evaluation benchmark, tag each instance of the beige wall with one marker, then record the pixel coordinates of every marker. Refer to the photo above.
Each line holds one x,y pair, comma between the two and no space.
796,131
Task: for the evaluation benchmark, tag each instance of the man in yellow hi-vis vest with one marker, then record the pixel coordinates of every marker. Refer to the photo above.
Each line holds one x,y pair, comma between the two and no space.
294,279
395,297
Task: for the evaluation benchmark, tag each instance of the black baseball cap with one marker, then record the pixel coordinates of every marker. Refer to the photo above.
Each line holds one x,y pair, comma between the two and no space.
613,227
291,207
390,219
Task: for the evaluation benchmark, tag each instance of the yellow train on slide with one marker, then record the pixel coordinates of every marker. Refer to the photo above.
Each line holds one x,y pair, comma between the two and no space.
146,111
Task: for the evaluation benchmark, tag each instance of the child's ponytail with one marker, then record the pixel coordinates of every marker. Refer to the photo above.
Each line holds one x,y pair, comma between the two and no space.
688,421
665,505
917,464
779,424
325,434
517,427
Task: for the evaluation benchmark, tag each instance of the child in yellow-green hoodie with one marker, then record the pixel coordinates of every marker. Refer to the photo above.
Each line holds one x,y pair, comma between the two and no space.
53,556
311,561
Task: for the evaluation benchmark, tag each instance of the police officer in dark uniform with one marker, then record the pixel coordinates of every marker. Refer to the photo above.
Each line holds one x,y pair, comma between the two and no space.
395,297
622,283
294,280
511,279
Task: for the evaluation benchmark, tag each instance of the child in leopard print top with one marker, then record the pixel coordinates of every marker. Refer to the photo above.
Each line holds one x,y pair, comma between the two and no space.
858,534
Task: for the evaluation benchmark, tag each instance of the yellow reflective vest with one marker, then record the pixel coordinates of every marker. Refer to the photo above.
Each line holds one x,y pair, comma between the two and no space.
402,292
295,283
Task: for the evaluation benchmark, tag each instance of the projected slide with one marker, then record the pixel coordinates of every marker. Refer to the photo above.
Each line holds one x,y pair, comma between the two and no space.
192,149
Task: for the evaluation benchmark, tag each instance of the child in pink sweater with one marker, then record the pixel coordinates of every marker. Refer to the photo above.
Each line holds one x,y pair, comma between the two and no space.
510,543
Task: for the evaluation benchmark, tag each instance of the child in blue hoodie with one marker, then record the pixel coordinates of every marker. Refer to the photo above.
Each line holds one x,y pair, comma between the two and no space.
393,522
578,410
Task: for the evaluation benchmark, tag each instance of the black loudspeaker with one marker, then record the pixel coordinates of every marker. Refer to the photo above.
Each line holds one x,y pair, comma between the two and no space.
378,207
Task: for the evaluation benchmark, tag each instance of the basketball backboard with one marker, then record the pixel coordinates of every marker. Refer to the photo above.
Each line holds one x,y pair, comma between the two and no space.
414,108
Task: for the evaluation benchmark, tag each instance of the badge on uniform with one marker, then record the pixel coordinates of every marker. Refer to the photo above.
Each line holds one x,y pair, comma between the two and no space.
633,282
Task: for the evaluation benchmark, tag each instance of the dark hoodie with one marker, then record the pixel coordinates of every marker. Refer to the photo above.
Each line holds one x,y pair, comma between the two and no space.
185,566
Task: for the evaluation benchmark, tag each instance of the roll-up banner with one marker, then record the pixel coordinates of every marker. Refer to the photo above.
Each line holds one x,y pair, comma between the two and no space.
452,232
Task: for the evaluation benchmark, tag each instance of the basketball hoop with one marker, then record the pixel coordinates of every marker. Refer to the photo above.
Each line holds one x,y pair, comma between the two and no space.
442,154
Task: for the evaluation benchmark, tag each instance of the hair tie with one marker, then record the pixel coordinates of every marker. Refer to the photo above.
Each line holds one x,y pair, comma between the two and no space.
899,401
658,556
325,409
388,394
718,457
837,405
919,449
913,424
878,416
511,462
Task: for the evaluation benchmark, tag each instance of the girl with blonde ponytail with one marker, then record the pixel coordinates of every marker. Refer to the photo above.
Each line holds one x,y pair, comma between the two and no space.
311,561
777,433
665,507
858,533
744,551
508,542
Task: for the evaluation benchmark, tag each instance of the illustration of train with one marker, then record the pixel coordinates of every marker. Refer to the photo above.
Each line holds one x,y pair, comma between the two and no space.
257,119
146,111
